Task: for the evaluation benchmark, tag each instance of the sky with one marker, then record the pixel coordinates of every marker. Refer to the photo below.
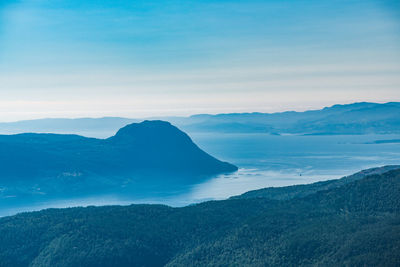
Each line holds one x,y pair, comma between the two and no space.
70,58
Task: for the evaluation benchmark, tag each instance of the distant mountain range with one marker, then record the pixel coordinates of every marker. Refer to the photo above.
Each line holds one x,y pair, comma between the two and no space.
357,118
139,154
354,221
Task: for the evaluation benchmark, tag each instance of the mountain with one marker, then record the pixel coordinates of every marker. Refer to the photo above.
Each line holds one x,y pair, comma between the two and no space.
354,224
356,118
296,191
151,152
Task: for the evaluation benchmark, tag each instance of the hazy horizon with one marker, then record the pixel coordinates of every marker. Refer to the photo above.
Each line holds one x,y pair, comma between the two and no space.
150,58
183,115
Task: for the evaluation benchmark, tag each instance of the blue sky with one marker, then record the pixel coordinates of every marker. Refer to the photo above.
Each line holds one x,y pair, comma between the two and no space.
62,58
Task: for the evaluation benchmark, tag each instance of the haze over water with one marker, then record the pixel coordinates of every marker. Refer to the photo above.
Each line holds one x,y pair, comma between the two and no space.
74,59
264,161
273,161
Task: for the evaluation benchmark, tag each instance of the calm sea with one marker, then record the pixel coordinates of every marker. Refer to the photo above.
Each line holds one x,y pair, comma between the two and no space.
263,161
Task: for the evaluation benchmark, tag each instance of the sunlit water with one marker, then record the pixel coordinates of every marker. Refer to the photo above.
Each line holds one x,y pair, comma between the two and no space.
264,161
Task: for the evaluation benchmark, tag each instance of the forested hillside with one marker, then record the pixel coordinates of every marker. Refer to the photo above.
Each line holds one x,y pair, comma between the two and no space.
41,167
297,191
354,224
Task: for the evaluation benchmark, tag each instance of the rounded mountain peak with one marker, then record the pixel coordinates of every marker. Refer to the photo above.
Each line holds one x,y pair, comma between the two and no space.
146,125
150,130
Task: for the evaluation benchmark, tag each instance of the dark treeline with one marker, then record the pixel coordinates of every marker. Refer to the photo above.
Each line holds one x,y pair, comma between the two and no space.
356,223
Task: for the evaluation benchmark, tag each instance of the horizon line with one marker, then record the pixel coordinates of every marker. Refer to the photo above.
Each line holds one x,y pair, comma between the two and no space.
200,114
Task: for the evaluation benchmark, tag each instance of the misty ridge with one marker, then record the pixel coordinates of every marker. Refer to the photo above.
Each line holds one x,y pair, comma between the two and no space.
356,118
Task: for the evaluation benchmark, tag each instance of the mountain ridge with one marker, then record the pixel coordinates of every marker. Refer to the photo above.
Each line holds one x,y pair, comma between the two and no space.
355,118
303,190
355,224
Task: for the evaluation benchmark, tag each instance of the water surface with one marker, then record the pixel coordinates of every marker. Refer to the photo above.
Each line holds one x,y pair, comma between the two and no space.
264,161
